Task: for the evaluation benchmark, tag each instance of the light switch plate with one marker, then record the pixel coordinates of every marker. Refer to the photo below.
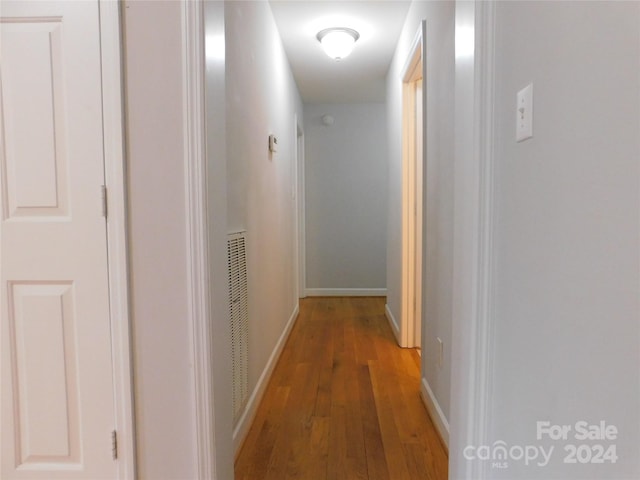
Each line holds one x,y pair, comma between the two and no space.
524,114
273,144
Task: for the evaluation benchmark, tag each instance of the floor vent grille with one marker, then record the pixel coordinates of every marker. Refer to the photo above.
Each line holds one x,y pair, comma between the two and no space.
239,316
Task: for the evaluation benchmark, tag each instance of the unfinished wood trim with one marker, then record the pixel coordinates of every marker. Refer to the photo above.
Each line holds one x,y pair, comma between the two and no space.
413,71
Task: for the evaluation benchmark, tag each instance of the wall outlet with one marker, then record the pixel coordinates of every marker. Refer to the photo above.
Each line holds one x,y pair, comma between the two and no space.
440,351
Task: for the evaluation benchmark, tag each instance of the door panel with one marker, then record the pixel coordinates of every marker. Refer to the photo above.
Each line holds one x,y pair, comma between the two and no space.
42,320
33,115
57,410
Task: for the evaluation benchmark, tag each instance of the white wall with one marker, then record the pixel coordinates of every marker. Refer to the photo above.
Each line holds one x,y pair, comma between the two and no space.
163,370
345,197
566,303
438,261
262,99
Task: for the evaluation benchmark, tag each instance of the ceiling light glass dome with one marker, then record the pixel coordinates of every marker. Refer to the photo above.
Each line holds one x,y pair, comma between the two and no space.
338,42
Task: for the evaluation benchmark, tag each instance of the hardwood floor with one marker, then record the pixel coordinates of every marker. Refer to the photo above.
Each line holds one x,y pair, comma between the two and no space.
343,403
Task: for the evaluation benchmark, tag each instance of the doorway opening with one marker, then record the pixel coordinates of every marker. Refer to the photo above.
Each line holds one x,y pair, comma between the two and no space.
413,162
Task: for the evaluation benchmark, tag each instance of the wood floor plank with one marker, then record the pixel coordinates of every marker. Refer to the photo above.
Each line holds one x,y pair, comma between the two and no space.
376,460
355,453
392,443
343,403
266,430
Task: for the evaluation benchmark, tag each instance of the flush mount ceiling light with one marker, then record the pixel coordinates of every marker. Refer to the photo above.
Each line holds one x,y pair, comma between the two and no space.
338,42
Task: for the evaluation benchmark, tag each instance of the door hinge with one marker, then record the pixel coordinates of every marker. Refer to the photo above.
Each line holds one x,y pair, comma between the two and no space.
104,201
114,445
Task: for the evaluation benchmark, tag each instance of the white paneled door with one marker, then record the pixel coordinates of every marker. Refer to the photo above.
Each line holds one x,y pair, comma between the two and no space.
57,411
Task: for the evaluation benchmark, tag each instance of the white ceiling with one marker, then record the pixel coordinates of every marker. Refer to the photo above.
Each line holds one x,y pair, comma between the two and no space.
360,77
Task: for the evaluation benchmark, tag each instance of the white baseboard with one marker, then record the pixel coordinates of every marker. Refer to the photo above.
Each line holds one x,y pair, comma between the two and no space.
435,412
346,292
242,428
395,326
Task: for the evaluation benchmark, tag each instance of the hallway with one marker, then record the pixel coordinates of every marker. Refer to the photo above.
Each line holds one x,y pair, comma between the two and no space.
343,403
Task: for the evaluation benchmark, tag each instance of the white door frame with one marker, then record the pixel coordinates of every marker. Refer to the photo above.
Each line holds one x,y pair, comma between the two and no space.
300,209
471,376
197,233
113,124
296,214
413,242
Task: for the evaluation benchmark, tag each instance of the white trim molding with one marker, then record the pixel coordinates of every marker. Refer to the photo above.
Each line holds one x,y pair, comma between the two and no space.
300,205
435,412
395,327
346,292
246,419
473,265
485,41
118,261
197,232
